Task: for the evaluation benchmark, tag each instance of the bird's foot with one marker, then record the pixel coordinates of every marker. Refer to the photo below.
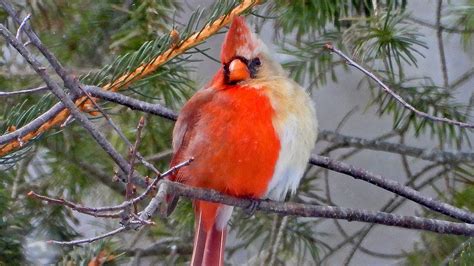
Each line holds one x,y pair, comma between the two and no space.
252,208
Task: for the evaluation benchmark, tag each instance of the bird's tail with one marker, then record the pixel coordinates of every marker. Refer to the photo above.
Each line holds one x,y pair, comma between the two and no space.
210,233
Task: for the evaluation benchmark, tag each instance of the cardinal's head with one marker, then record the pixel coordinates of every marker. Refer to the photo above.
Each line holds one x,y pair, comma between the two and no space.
244,56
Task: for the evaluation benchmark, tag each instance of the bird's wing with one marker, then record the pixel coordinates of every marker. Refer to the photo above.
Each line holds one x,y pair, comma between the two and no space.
185,128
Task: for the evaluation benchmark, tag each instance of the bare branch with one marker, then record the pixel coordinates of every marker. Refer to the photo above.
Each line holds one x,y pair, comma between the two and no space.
306,210
95,210
134,104
285,209
395,95
88,240
25,91
393,186
435,155
22,24
132,155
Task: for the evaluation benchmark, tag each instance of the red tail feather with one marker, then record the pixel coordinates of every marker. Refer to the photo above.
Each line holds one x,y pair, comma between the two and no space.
209,239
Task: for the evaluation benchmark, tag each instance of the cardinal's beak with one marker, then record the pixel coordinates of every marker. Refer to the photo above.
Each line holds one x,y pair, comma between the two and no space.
238,71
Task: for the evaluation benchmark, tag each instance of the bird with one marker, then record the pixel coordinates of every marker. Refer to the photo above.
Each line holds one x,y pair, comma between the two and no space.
250,130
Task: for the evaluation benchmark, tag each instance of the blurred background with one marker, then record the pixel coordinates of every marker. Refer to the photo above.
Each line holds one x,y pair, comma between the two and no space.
423,49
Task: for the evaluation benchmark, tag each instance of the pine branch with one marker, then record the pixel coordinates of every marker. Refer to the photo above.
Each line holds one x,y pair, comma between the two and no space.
133,75
54,87
397,97
66,100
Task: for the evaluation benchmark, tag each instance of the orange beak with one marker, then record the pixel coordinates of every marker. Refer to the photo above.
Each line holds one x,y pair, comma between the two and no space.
238,71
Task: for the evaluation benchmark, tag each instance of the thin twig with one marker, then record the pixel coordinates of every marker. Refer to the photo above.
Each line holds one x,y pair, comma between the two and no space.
88,240
133,150
20,28
79,208
395,95
159,156
117,129
132,155
123,205
25,91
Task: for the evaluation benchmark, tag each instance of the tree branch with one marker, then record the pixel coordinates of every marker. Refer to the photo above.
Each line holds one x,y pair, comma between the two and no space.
95,211
88,240
306,210
434,155
397,97
25,91
134,104
393,186
287,209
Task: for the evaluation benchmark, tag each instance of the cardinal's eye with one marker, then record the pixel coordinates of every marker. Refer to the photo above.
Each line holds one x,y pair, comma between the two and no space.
254,64
256,61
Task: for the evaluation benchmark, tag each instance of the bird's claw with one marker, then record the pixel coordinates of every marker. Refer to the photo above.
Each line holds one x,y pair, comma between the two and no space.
252,208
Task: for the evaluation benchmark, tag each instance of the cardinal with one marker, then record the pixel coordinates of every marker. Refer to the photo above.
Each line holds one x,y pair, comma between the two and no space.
250,132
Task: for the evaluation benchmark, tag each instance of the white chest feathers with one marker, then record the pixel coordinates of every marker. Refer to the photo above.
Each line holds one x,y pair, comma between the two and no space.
296,125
